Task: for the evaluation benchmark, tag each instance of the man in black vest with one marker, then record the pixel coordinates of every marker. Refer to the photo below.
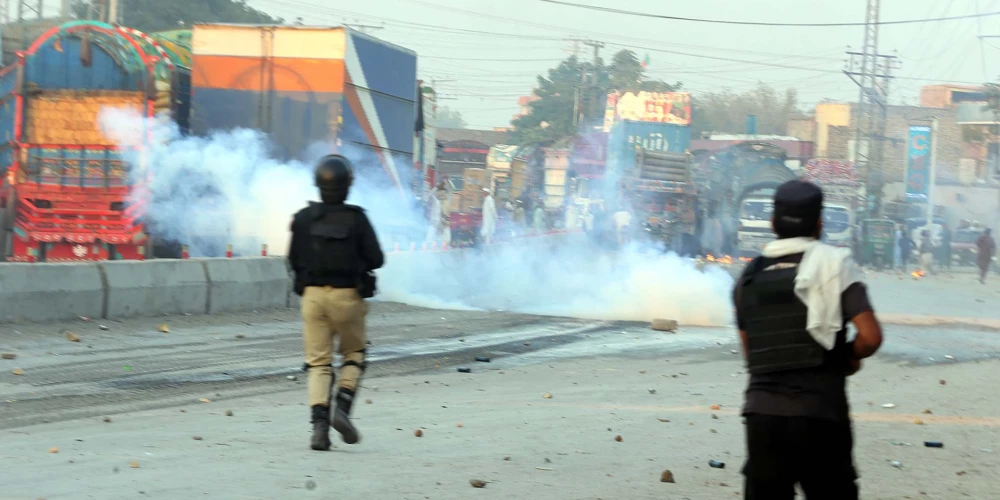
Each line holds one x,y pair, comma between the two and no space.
333,253
792,308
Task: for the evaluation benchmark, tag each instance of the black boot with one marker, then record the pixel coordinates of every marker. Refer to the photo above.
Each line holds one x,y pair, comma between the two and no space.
321,428
341,421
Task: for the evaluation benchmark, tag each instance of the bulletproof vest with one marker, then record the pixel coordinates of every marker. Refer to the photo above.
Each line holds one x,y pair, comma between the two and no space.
775,320
333,241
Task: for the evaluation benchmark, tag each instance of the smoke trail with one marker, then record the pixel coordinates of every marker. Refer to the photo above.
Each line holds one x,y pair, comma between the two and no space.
227,185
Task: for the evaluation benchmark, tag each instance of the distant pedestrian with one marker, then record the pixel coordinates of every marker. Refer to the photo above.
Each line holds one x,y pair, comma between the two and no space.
945,249
926,252
986,249
906,246
897,250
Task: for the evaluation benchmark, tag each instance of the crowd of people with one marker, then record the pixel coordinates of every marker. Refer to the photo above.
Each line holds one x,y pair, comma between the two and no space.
932,251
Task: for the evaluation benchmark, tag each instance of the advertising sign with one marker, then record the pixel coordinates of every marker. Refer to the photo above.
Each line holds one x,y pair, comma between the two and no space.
917,162
652,107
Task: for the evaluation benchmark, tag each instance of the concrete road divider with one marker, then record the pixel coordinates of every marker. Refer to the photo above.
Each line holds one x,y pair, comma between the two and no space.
244,284
155,287
50,292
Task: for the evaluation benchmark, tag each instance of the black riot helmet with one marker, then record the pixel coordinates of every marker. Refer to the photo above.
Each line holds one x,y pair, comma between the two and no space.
334,176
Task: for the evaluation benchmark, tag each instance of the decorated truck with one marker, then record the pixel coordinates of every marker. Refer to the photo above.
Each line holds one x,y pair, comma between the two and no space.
661,192
843,195
755,169
71,193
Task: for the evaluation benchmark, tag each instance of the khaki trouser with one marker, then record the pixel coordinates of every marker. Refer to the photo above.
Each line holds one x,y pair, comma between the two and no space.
328,313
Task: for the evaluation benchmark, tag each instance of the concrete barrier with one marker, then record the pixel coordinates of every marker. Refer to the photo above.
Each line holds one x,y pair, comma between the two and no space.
155,287
244,284
50,292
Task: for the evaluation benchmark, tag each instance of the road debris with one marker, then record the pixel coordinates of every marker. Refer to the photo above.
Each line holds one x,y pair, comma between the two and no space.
459,425
948,356
164,328
482,359
464,370
107,420
888,405
716,407
478,483
663,325
715,417
8,355
895,463
618,438
547,396
667,476
651,391
240,336
368,401
933,444
543,468
716,465
53,450
72,337
310,485
196,438
943,382
664,420
204,400
506,458
103,327
293,378
418,433
17,371
917,421
229,413
134,465
927,411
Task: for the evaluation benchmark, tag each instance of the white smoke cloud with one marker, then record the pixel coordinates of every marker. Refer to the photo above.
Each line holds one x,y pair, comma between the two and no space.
227,188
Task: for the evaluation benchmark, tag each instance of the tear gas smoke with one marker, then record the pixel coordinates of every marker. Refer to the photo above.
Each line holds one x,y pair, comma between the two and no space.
227,188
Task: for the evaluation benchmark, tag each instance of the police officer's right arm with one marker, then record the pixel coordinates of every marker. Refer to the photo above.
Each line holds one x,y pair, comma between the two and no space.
371,251
857,307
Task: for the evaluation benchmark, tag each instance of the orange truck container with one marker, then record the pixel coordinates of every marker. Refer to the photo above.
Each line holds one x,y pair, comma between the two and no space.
310,89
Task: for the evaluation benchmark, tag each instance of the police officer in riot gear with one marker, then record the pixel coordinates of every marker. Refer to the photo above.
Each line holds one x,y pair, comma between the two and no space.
334,251
793,305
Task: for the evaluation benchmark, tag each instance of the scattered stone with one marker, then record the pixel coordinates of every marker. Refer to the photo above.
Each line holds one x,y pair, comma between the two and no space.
652,391
459,425
949,357
960,473
164,328
8,355
482,359
477,483
715,417
240,336
667,476
310,485
72,337
196,438
642,372
716,465
547,396
663,325
506,458
183,410
368,401
927,411
464,370
437,367
943,382
724,485
933,444
548,461
543,468
888,405
107,420
17,371
293,378
418,433
84,318
103,327
229,413
664,420
527,343
716,407
713,431
618,438
134,465
53,450
204,400
917,421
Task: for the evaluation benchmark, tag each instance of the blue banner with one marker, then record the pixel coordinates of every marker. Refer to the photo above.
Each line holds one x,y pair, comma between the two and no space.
918,162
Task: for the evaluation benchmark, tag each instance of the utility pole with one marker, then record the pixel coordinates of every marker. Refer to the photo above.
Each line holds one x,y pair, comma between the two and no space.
597,46
580,102
871,71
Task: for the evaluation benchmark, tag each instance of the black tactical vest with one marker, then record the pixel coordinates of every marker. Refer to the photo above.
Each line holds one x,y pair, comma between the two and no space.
775,320
333,243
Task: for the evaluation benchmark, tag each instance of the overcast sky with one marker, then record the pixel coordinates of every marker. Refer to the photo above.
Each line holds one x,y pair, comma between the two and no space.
485,73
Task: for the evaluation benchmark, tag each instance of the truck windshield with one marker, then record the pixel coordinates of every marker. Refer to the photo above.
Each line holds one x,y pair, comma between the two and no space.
757,210
836,219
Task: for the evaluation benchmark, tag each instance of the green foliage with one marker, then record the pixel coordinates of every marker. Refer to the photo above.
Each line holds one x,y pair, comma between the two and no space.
551,116
725,112
448,118
161,15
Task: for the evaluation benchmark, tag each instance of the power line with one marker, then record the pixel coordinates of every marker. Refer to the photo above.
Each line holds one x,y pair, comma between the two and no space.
759,23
